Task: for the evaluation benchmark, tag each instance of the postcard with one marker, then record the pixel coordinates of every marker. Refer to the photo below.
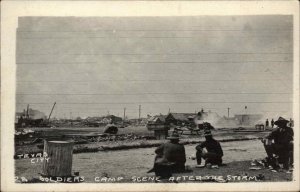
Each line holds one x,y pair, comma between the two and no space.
150,96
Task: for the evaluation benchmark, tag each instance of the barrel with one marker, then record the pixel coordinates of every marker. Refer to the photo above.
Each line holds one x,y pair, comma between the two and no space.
60,158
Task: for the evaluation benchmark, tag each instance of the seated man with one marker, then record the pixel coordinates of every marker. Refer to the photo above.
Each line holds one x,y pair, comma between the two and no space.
279,145
214,152
170,158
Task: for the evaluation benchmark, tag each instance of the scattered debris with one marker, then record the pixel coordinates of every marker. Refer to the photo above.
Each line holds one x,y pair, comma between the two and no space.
215,167
239,150
255,168
111,129
37,140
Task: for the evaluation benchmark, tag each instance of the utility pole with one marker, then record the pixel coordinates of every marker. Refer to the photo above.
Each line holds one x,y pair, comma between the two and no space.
27,112
228,111
139,113
169,110
124,114
51,111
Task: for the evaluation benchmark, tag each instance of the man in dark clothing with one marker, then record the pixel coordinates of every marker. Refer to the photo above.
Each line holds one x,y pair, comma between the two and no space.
170,158
214,152
267,123
272,123
279,144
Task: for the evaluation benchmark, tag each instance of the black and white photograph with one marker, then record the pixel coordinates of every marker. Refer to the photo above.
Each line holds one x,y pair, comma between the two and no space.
155,99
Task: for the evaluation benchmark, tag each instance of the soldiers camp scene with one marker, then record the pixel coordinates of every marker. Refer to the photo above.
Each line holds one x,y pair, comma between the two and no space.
177,99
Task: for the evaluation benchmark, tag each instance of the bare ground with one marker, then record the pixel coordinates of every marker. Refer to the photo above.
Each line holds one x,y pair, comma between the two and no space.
136,162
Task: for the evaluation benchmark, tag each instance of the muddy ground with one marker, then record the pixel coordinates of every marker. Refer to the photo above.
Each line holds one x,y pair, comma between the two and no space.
132,163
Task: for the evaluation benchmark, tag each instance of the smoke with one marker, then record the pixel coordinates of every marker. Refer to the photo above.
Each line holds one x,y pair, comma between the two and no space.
225,122
240,120
36,114
209,117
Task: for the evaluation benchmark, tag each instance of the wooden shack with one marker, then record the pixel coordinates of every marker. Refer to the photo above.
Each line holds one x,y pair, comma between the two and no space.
158,126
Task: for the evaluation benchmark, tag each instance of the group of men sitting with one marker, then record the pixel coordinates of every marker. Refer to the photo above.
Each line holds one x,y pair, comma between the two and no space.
170,157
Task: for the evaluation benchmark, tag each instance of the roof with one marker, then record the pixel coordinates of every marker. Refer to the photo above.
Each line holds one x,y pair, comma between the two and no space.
161,117
155,118
182,116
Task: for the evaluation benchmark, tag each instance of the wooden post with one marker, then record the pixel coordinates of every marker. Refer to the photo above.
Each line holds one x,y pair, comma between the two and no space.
60,158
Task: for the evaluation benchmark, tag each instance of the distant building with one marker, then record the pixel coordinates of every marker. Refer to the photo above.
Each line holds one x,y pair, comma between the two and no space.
137,121
196,118
213,118
99,121
31,114
158,125
247,119
32,118
180,118
111,119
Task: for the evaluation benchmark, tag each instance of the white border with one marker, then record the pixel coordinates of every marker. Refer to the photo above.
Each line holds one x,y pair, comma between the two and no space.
11,10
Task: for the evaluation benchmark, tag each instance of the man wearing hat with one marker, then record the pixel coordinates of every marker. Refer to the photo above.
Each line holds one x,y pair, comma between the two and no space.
170,157
214,152
279,144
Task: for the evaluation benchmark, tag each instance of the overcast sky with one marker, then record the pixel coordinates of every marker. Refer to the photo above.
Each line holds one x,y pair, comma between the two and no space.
94,66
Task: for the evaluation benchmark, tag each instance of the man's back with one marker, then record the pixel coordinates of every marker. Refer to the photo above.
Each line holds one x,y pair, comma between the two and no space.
172,152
